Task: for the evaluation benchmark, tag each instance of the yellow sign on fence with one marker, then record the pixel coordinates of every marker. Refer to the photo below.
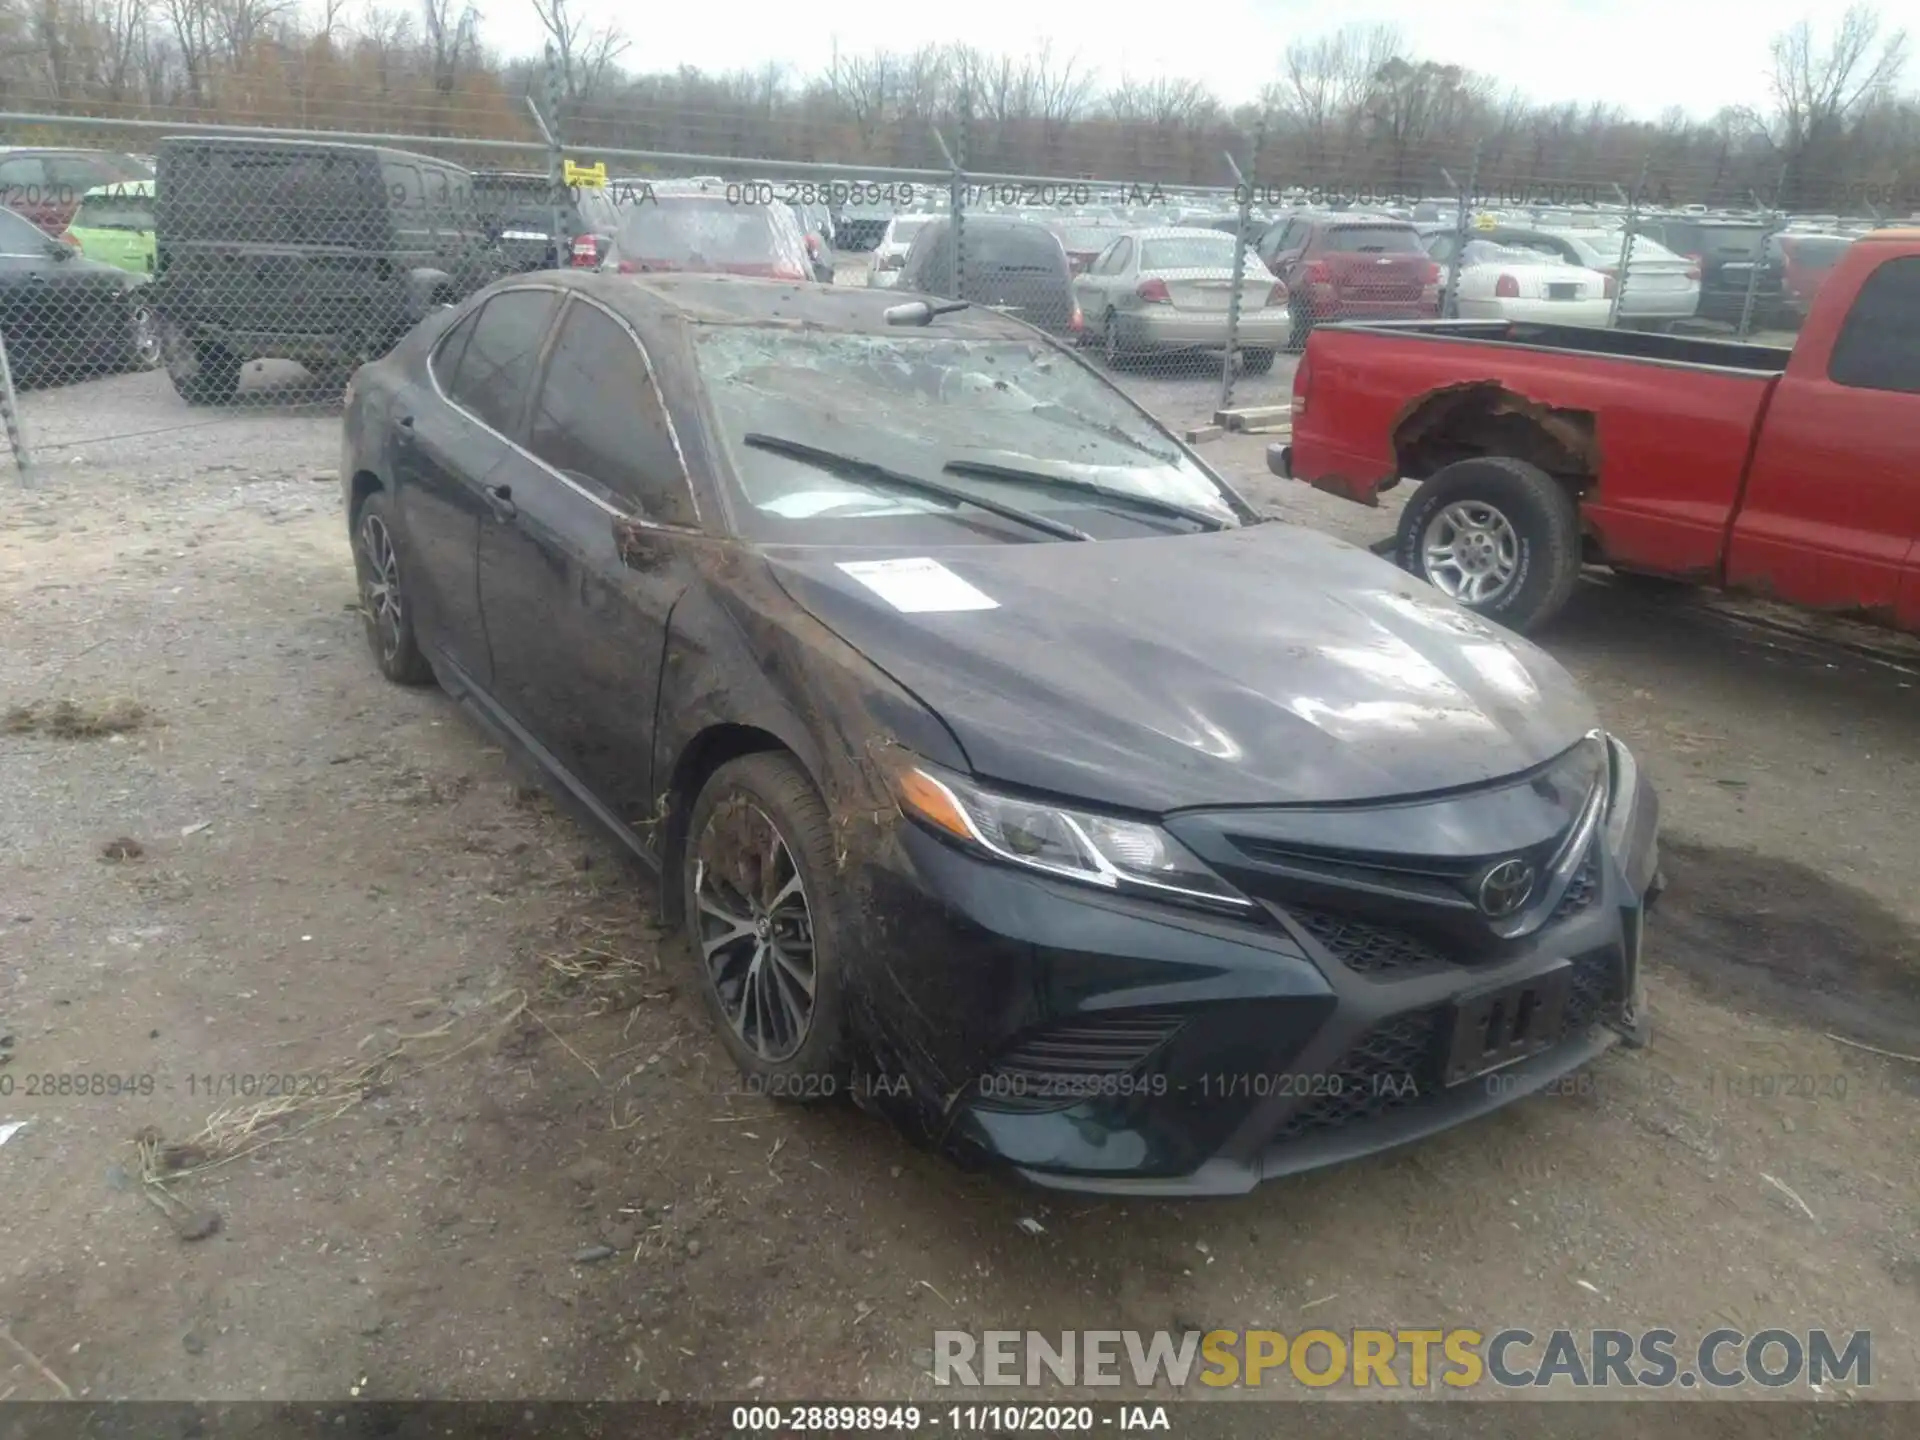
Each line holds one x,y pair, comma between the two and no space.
588,177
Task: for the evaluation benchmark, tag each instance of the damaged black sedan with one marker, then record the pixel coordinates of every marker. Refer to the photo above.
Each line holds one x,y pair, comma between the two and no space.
1003,766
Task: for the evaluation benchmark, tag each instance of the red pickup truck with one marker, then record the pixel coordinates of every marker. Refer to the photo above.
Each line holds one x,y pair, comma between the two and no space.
1792,474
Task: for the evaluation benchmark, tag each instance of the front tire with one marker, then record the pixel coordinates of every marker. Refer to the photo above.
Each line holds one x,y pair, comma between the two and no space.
768,926
384,607
1499,536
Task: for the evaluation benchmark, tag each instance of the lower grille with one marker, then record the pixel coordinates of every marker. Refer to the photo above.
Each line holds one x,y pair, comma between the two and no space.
1390,1067
1596,988
1369,949
1101,1057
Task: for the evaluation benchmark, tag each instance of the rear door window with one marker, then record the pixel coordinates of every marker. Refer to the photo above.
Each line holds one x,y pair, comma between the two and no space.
496,369
600,422
1015,247
1879,346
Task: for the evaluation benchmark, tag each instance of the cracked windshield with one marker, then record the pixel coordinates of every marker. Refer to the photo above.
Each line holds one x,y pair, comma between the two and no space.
919,405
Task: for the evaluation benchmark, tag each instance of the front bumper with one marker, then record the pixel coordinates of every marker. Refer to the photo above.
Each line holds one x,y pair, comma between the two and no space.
1100,1043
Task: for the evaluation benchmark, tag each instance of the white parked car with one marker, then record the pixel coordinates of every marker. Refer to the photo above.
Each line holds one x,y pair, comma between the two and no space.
883,265
1512,282
1169,289
1661,286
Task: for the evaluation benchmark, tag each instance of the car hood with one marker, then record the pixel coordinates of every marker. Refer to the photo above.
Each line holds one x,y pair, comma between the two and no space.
1263,665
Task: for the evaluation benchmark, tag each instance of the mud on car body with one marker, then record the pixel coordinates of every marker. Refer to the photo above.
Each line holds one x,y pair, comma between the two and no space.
1004,768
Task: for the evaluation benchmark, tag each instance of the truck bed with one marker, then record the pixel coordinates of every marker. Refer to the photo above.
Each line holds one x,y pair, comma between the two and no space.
1663,423
1590,340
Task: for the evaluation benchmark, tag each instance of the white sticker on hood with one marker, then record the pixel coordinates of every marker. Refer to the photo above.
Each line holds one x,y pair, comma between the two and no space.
918,585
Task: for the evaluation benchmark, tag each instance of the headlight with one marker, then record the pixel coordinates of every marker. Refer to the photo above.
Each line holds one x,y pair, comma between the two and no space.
1095,849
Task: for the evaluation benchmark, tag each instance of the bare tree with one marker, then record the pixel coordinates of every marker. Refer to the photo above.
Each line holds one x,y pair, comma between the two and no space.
864,87
194,27
585,55
452,30
242,24
1815,86
1060,93
1163,103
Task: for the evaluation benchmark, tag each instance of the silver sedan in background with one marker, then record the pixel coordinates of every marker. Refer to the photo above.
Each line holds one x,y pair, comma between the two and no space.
1169,289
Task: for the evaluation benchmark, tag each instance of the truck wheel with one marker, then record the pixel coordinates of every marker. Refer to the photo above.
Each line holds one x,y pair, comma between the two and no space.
1500,536
202,372
1256,361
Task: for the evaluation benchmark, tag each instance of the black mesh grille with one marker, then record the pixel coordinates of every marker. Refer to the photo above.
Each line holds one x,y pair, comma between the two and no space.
1596,986
1061,1065
1390,1067
1369,949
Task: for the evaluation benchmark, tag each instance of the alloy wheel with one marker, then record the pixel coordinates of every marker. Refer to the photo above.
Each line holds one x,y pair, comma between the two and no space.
755,927
380,584
1470,552
143,337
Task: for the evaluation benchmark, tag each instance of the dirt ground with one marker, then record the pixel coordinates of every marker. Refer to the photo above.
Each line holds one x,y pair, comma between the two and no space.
515,1164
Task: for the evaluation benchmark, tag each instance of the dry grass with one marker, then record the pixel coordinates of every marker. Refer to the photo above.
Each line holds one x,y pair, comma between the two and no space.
248,1127
77,719
609,963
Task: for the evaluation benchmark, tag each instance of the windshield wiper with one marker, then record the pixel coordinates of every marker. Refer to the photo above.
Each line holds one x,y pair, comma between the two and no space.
856,469
1152,503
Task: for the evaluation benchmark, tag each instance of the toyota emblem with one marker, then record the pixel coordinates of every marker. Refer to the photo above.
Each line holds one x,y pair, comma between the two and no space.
1505,888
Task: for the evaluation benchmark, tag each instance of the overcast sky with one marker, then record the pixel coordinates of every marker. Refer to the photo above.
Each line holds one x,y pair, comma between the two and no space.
1641,54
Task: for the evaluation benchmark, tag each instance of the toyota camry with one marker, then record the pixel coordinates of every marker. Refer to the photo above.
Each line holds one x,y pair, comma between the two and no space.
1004,768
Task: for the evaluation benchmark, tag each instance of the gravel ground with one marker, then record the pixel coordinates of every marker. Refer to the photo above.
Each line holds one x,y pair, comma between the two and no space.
512,1161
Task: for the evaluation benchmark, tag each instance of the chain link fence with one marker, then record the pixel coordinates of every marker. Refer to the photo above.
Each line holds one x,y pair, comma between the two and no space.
259,266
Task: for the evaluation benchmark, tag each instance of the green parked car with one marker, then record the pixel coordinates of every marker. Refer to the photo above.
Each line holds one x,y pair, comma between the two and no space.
114,224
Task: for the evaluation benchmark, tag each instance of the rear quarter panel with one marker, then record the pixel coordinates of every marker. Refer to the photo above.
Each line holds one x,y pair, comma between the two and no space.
1671,440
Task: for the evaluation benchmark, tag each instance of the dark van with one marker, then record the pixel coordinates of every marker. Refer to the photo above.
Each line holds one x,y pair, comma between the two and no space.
293,250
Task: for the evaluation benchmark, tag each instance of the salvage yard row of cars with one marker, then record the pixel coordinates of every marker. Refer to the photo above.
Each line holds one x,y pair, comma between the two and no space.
1100,275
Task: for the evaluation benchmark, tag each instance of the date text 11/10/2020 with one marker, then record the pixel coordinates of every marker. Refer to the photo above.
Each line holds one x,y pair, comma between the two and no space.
113,1085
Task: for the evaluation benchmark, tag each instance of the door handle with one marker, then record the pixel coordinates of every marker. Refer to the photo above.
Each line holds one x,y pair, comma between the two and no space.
500,501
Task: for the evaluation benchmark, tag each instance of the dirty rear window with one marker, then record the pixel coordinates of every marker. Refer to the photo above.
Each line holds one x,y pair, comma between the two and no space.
267,197
1818,251
1015,247
1374,239
916,403
115,212
710,233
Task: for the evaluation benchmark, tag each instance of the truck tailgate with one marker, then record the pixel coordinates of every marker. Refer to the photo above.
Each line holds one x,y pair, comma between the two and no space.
1666,424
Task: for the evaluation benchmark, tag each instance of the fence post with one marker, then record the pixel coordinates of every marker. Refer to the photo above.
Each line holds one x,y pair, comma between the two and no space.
1632,203
1243,190
1462,222
556,157
10,412
957,199
1776,222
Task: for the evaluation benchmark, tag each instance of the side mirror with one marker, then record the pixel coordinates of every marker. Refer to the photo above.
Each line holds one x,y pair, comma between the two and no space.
920,312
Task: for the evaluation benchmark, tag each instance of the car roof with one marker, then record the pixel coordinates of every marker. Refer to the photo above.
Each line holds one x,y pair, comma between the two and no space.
789,304
1178,232
300,147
